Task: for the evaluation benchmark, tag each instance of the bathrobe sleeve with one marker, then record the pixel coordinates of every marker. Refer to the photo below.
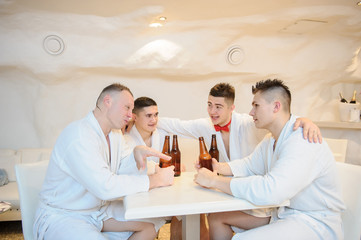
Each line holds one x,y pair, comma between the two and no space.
84,161
250,165
295,167
188,129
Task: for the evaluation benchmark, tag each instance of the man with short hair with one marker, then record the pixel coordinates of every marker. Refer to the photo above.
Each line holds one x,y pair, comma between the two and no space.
86,175
145,132
236,134
282,167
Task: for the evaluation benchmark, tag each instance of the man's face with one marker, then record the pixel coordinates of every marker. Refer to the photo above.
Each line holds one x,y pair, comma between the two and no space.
120,109
262,111
219,110
146,120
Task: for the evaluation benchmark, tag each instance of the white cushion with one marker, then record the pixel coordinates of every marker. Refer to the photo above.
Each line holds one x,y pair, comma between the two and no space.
8,159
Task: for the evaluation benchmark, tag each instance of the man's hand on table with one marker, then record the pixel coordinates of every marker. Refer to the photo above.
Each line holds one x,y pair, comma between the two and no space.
162,177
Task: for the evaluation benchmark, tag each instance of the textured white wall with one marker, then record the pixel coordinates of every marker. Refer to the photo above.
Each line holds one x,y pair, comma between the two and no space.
176,65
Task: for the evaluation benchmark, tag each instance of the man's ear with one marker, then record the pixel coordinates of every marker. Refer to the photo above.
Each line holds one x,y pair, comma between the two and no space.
107,100
277,106
233,107
134,116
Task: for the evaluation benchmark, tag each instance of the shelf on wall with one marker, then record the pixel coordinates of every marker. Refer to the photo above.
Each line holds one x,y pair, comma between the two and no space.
339,125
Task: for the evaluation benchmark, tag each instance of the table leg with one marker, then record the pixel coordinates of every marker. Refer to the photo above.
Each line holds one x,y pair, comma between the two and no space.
191,227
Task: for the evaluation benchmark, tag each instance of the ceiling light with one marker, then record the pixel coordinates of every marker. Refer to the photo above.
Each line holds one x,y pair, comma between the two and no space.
158,22
155,25
359,3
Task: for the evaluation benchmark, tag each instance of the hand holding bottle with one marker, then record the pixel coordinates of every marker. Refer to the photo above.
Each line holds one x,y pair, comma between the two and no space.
204,177
215,165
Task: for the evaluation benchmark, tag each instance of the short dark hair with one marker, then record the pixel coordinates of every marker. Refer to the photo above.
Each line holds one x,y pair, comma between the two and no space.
115,87
269,85
225,90
143,102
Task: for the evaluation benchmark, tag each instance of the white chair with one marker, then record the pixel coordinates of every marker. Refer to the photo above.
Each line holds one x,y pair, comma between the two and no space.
29,177
338,148
350,177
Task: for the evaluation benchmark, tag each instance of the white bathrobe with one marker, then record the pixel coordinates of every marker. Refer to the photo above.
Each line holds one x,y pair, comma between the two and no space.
244,136
81,182
303,172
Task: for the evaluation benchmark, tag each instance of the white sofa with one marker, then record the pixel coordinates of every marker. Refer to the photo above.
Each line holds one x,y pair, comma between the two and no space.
9,192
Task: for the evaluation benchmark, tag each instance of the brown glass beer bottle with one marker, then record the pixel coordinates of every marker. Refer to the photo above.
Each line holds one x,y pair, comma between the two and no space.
163,163
205,159
176,157
213,149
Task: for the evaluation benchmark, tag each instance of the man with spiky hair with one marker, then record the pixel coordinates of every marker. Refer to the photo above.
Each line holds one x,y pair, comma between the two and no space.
282,167
236,133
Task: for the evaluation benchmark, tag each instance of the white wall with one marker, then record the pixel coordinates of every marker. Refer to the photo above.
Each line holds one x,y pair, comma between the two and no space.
176,65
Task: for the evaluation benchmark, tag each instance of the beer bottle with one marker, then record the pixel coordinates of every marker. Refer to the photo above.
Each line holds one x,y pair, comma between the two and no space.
213,149
176,157
163,163
205,159
353,100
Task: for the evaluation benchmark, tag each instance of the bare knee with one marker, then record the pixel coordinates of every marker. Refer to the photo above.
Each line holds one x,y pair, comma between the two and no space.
147,231
214,219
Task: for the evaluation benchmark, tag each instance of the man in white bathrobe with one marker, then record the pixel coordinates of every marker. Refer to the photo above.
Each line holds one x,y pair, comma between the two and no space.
236,134
282,167
81,191
145,131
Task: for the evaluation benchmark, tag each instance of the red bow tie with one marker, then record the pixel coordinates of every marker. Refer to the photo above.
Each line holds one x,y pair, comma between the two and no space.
224,128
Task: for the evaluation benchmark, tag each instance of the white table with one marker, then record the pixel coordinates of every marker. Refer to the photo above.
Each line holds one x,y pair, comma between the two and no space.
184,198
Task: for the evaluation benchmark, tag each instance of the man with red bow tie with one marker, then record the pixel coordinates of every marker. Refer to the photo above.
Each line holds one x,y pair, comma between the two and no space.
236,133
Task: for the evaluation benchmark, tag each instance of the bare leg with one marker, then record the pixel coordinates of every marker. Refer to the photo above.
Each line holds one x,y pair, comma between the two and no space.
220,223
176,229
142,230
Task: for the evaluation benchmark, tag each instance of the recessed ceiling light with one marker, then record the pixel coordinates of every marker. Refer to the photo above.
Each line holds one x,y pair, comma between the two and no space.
158,22
155,25
359,3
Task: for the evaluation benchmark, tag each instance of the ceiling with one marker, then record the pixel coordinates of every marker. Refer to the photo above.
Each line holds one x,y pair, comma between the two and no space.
342,17
187,10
